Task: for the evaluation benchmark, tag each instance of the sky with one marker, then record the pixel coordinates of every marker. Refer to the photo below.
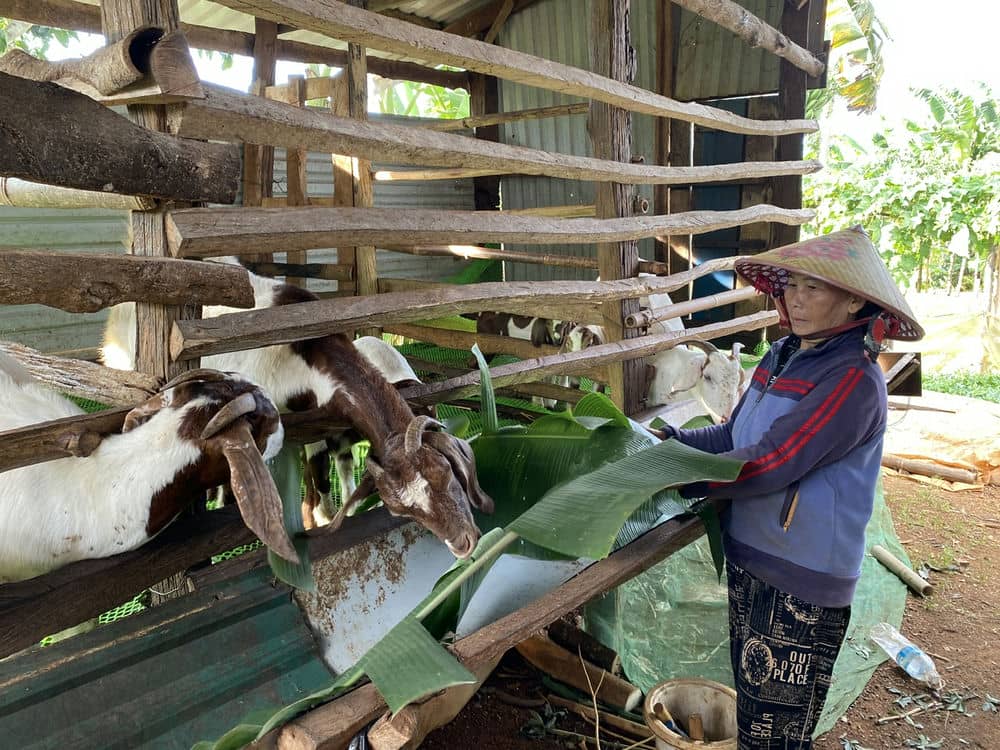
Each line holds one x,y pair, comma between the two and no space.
932,44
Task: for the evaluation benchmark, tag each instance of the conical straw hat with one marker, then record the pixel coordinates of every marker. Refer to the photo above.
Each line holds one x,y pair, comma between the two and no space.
845,259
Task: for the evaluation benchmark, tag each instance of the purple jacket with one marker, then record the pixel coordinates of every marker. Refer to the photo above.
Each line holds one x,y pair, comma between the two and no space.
812,442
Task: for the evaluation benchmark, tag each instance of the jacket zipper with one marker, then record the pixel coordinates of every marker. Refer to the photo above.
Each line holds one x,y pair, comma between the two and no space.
790,505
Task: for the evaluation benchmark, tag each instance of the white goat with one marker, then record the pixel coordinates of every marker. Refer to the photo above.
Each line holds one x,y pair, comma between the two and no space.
428,477
708,376
202,429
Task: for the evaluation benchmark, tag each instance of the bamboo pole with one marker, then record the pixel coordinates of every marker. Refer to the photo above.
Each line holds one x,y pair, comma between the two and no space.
930,469
757,33
27,194
537,113
645,318
467,252
905,573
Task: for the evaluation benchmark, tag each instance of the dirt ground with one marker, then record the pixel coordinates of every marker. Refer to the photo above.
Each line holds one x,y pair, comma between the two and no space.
956,534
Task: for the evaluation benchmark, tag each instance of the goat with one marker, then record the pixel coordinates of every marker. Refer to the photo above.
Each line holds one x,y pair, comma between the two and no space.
317,505
420,474
203,428
709,376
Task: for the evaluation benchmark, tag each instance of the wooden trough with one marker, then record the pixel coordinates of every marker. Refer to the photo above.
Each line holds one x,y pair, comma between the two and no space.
161,162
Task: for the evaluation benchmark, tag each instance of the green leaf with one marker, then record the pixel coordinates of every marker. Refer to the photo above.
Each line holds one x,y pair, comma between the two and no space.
583,516
408,663
239,736
286,468
599,405
713,530
488,401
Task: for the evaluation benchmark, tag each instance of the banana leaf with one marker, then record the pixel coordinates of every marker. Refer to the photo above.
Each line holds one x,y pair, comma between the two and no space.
286,468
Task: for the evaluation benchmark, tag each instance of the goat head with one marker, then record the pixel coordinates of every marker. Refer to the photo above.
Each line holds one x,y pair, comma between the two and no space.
430,477
236,427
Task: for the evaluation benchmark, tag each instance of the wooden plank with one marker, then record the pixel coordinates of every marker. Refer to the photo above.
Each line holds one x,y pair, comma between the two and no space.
226,114
258,160
329,271
479,20
78,283
488,253
296,176
87,146
496,118
206,232
25,194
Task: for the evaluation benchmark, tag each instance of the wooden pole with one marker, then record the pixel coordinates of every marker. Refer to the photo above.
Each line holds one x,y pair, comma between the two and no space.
611,137
258,167
77,16
26,194
737,19
118,19
296,176
538,113
354,25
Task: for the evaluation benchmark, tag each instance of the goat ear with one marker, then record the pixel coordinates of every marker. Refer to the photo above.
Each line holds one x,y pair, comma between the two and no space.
463,464
257,497
144,411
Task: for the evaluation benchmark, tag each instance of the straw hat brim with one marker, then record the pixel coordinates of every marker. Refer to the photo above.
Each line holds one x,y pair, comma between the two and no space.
846,260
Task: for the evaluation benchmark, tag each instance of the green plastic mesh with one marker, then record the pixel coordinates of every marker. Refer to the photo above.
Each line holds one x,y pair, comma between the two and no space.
672,620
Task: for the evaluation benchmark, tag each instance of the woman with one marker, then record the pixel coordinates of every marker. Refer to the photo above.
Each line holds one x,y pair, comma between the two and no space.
810,429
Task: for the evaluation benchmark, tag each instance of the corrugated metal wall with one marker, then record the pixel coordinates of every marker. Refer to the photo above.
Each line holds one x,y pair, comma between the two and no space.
94,231
713,63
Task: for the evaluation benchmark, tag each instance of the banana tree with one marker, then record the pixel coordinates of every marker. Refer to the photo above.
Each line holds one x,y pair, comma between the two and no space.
573,485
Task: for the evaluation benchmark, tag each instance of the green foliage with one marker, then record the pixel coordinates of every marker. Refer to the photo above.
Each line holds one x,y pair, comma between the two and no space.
969,384
855,69
919,187
413,99
33,39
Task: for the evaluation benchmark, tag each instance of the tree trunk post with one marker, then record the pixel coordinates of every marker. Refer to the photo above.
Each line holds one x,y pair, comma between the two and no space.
611,134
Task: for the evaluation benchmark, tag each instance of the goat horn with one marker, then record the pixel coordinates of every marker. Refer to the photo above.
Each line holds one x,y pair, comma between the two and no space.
244,404
199,374
706,346
415,432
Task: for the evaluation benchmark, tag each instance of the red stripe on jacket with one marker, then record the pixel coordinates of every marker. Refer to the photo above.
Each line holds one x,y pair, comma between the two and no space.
808,430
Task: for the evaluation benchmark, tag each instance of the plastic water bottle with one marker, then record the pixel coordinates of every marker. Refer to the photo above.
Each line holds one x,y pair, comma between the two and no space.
907,654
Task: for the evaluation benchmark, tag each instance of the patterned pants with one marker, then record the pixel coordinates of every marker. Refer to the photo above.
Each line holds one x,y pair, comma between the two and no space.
783,650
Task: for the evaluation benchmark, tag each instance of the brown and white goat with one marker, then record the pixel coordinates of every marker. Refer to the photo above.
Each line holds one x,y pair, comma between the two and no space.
202,429
419,473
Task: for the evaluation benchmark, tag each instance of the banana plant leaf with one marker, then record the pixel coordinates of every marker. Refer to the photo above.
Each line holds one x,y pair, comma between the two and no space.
286,468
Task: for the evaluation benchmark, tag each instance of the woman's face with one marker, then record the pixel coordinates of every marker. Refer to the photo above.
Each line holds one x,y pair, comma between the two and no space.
814,305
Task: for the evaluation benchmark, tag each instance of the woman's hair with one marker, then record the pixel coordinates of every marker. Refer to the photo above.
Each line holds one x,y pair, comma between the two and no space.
869,310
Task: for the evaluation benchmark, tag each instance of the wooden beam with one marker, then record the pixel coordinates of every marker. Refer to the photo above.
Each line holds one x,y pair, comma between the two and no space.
499,21
258,159
235,116
479,20
88,283
86,146
282,325
153,322
437,47
330,271
610,130
206,232
77,16
755,32
86,380
791,100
